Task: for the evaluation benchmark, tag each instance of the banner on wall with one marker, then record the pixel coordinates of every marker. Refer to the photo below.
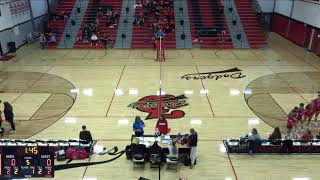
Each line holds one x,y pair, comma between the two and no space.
19,7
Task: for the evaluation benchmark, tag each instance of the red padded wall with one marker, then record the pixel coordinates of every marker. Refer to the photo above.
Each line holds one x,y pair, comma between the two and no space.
297,32
279,24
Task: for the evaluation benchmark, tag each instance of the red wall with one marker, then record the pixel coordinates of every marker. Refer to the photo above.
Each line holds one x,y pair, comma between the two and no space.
279,24
295,31
316,42
291,29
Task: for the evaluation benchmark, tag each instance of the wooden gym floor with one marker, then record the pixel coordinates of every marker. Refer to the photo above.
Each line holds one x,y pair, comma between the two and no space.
55,92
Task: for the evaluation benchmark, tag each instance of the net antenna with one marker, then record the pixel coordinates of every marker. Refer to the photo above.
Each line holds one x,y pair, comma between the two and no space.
160,58
160,50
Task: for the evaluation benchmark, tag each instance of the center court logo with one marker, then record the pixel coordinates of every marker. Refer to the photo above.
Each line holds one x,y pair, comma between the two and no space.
233,73
168,106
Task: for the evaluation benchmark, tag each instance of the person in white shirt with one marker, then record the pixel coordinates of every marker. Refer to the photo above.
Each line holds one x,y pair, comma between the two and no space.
173,151
94,39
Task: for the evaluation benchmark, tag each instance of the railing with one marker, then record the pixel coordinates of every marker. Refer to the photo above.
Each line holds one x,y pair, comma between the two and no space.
264,18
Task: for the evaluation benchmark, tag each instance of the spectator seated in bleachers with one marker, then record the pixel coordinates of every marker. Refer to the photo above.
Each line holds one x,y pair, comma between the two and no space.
65,16
138,19
138,5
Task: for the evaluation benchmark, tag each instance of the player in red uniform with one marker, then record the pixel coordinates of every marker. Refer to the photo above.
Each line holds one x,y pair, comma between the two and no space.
162,126
292,118
317,108
300,113
309,112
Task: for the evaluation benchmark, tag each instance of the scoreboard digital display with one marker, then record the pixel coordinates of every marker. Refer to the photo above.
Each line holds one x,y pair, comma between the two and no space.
26,162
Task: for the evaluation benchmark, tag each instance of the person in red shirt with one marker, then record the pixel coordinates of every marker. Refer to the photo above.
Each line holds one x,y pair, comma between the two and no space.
309,112
317,108
300,113
162,126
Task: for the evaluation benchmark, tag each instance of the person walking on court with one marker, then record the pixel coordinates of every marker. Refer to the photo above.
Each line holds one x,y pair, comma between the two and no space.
8,113
138,126
193,142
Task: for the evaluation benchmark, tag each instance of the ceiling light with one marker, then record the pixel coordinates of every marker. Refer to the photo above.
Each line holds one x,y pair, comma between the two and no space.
195,122
253,121
234,92
118,92
188,92
87,92
133,91
123,122
74,90
70,120
162,92
204,91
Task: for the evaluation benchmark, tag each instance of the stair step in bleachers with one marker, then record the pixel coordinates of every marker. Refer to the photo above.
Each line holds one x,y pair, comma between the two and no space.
142,37
96,12
208,16
251,24
57,23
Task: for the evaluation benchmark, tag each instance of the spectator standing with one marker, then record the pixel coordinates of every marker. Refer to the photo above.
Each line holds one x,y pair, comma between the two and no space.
162,127
138,126
53,38
94,39
8,113
193,142
43,41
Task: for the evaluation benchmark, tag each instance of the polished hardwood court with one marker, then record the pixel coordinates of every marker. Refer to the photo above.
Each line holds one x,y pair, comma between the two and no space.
56,91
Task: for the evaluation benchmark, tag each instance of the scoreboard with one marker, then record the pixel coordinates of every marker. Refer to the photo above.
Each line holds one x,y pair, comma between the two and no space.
26,162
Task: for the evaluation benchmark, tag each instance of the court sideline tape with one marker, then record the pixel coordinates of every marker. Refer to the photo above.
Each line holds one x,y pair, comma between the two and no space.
114,93
206,93
234,171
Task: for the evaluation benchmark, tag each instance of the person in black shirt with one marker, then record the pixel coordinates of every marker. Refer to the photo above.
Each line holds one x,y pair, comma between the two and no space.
85,135
8,113
193,142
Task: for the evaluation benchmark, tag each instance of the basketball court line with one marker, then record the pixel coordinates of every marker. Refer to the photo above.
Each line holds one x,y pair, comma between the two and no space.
114,92
206,93
40,107
231,164
277,104
276,74
43,74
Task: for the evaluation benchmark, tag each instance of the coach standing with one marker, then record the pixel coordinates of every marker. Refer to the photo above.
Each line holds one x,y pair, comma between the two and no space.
8,113
193,141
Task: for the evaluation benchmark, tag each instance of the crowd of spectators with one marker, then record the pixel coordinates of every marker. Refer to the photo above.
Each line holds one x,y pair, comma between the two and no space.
159,15
92,31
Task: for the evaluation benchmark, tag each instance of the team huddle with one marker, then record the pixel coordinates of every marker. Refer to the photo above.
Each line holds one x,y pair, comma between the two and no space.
302,113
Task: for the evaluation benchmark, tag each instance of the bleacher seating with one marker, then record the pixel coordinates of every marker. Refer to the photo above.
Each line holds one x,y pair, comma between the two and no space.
143,38
251,24
92,14
208,24
57,25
